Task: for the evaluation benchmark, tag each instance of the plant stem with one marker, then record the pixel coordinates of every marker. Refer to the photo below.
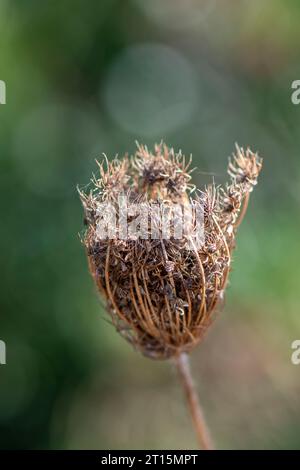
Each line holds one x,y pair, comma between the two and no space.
184,371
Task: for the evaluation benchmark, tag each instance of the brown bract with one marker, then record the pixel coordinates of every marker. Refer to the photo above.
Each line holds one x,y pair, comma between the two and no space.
162,293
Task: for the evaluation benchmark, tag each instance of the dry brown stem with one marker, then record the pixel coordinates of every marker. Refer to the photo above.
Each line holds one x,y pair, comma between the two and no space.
203,435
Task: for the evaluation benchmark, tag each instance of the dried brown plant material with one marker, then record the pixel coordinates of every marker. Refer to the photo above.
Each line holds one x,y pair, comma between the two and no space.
162,293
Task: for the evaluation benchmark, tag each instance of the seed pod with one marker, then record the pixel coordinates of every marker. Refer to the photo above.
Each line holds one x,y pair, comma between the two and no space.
162,288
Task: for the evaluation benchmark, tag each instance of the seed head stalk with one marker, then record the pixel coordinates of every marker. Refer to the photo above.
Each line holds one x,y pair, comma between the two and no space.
184,371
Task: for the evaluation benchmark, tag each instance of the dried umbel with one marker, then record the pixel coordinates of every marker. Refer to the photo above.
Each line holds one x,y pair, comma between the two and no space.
162,292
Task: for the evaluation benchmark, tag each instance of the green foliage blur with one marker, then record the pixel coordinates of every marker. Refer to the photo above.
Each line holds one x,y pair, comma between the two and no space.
86,78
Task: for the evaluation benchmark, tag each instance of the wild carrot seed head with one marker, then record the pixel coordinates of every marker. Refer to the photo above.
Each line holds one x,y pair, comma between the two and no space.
162,292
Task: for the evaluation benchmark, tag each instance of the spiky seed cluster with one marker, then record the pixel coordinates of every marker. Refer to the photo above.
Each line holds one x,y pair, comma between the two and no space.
162,293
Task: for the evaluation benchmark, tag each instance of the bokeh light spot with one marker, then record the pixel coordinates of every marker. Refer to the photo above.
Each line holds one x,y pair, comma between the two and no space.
150,89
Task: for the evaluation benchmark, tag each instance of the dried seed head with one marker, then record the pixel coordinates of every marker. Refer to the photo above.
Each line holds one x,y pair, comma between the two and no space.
161,292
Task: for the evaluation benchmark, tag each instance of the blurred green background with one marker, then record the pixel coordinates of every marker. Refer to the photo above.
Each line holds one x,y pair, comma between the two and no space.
90,77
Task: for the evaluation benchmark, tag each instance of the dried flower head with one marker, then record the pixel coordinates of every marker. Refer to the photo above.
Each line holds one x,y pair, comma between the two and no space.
161,292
